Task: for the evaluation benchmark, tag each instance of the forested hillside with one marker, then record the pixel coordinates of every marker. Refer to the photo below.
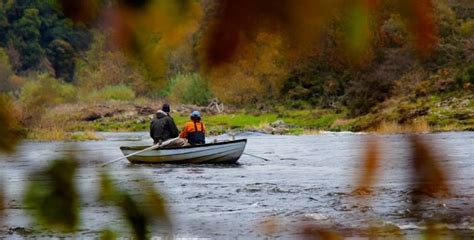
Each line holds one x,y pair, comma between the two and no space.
37,37
366,64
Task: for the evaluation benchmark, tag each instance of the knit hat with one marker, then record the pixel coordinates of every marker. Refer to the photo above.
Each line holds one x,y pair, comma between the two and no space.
166,108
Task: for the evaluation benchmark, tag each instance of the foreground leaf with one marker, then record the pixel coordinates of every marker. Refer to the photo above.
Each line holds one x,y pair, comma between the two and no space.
141,209
52,196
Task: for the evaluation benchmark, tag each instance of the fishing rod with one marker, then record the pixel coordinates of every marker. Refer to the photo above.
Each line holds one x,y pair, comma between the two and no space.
252,155
255,156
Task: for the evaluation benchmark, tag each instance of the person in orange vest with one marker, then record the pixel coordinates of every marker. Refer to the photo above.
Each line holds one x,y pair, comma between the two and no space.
194,130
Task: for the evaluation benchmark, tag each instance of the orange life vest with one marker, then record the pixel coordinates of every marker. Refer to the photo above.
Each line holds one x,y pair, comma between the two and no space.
195,132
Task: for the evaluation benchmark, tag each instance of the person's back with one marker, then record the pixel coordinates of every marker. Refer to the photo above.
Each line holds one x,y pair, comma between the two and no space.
194,130
163,127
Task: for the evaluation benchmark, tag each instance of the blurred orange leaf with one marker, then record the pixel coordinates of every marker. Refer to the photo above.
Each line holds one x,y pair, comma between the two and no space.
316,232
420,16
371,162
237,23
430,178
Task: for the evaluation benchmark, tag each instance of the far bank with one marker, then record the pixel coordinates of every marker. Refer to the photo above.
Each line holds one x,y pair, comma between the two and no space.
449,112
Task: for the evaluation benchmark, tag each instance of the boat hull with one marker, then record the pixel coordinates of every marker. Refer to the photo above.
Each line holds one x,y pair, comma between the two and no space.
222,152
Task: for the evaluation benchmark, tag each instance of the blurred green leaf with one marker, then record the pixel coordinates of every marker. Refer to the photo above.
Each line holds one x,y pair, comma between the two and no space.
107,193
52,196
140,210
358,30
108,234
156,202
136,217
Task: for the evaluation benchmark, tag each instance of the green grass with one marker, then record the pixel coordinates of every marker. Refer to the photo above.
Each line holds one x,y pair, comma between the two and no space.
220,123
296,131
215,123
239,121
303,119
310,120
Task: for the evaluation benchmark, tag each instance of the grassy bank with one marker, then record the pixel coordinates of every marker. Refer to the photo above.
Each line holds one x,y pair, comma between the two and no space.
289,122
445,112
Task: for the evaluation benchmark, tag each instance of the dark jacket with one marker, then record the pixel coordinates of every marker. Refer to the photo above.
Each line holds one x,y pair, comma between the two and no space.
163,127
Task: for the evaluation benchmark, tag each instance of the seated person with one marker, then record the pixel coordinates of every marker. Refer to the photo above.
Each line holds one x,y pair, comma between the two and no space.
163,128
194,131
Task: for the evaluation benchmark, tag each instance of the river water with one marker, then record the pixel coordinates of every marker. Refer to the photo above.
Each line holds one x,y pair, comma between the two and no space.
307,181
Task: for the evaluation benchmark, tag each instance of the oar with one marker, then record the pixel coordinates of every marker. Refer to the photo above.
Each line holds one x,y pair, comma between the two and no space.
156,146
255,156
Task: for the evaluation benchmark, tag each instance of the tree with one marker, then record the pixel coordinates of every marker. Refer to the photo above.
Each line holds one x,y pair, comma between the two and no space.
30,27
61,55
5,71
3,24
26,39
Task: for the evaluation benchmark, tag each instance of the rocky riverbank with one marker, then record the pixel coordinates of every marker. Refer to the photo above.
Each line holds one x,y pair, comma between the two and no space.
453,112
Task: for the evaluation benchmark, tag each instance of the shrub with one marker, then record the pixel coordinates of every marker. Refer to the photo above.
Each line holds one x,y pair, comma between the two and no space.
44,91
363,94
465,76
188,88
467,27
47,134
119,92
7,79
317,84
445,18
297,104
470,74
459,78
394,31
85,136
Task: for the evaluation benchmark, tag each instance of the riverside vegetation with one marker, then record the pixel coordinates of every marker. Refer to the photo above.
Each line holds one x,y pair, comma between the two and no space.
67,78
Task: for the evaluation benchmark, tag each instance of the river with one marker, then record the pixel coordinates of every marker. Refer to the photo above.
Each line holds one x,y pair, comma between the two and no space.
308,180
